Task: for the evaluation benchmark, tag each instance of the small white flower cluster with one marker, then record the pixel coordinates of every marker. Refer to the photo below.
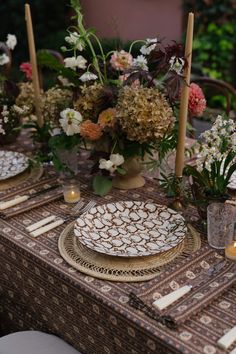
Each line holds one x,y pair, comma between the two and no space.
218,142
75,40
111,165
70,121
79,62
140,62
11,43
75,62
4,118
148,47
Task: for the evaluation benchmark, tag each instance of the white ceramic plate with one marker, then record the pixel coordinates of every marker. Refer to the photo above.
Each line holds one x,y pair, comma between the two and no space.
130,228
12,163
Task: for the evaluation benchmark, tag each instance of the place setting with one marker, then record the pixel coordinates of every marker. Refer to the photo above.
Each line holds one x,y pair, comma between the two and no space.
127,240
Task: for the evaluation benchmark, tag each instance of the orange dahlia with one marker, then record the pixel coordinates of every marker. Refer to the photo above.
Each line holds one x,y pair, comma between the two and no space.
90,130
107,118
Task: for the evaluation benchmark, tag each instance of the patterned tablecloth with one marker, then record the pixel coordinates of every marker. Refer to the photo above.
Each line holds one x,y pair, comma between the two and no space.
39,290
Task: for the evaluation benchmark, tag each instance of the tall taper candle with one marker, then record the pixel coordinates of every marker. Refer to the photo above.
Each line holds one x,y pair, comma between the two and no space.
33,60
183,113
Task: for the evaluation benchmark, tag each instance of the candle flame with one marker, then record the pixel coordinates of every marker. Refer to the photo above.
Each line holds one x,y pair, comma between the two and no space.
72,192
235,244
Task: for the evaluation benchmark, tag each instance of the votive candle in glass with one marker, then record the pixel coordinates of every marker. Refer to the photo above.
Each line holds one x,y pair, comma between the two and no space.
230,251
71,191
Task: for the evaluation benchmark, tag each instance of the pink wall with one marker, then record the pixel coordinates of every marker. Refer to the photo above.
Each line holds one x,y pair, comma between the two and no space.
134,19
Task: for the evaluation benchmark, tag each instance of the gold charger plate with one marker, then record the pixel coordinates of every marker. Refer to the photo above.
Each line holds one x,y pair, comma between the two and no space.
122,269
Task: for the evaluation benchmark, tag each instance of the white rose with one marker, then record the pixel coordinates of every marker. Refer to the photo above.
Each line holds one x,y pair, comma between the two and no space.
117,159
106,165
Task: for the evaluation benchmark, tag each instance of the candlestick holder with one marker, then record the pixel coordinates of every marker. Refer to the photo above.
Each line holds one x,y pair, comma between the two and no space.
177,202
71,190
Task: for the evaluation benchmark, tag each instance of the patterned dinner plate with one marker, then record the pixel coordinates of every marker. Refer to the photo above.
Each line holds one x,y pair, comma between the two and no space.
130,228
12,163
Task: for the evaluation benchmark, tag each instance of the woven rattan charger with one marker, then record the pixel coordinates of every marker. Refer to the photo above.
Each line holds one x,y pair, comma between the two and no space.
122,269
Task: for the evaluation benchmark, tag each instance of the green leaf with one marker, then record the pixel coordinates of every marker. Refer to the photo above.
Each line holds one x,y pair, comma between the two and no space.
101,185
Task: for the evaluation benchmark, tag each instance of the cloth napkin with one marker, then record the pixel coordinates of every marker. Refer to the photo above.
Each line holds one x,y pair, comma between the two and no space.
180,274
34,202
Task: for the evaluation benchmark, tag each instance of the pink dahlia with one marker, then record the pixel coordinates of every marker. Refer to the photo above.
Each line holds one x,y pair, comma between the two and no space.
27,70
197,101
121,60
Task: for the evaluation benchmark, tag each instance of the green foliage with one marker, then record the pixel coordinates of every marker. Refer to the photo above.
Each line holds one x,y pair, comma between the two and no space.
214,38
48,17
214,182
171,184
63,141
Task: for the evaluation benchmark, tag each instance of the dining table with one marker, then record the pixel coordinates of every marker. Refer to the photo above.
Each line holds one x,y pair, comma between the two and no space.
39,290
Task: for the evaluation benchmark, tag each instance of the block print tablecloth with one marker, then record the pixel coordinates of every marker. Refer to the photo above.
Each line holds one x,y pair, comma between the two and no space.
39,290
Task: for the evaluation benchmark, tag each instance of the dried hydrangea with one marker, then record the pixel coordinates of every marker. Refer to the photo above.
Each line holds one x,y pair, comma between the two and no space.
26,96
54,101
144,114
87,103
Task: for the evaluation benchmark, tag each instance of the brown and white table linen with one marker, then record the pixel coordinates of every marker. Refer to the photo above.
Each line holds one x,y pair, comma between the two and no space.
39,290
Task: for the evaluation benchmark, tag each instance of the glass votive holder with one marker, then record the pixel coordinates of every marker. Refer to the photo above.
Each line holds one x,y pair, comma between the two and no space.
230,251
220,224
71,190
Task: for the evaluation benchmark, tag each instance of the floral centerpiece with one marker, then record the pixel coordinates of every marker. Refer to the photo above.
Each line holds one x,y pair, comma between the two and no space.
216,161
124,105
9,111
